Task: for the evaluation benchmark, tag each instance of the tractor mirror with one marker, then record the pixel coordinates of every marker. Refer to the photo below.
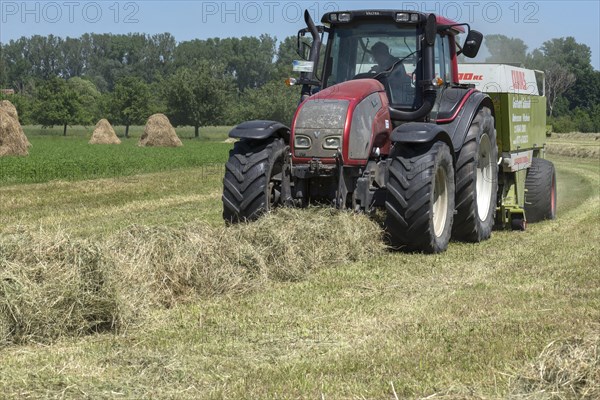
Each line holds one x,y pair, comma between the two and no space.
430,30
472,44
304,50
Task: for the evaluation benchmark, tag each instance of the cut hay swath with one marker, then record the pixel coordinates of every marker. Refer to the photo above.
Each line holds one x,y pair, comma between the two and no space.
566,369
53,285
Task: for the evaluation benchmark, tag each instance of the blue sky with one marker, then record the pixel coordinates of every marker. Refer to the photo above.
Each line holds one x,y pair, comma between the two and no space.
532,21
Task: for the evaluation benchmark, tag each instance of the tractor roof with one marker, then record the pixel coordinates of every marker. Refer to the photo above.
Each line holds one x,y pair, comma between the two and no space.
343,17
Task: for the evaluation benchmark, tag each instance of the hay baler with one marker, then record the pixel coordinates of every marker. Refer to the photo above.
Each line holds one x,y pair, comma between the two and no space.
385,123
527,181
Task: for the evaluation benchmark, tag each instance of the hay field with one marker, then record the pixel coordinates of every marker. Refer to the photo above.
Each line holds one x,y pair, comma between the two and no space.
130,287
53,157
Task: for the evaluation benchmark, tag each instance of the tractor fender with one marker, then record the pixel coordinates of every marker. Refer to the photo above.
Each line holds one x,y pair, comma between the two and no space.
261,130
458,127
420,132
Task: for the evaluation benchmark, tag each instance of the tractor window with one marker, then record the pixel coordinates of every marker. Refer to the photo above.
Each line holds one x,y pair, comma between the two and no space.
447,59
362,51
442,59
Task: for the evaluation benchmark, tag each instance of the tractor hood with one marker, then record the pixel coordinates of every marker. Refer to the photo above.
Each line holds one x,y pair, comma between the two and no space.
344,118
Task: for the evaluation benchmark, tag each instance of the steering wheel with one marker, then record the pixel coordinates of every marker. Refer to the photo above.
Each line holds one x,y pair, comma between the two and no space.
364,75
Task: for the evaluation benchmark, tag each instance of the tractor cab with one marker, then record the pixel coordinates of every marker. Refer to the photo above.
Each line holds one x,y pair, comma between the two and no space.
412,54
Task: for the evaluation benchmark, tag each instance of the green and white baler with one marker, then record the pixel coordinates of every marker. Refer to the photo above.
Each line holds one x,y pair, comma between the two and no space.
527,181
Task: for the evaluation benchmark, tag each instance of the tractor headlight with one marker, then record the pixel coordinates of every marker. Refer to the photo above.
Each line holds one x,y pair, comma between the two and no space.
407,17
402,17
344,17
332,143
302,142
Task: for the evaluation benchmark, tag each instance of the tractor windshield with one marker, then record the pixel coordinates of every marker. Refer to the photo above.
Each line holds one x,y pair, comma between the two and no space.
383,51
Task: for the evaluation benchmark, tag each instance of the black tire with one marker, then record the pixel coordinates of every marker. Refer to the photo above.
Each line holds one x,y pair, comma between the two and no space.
540,191
477,181
248,186
412,210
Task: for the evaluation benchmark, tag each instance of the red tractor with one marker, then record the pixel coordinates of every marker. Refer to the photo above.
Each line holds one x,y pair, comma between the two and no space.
383,123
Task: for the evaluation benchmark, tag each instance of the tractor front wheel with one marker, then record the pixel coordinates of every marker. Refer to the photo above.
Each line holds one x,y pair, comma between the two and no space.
420,198
253,177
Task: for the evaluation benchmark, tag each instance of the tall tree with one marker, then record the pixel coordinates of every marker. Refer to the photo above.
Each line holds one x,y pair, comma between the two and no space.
248,59
560,54
558,80
88,98
504,49
273,101
56,104
198,96
130,102
286,54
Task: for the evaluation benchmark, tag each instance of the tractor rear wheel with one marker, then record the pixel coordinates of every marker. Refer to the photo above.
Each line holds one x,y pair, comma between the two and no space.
420,197
540,191
253,176
477,181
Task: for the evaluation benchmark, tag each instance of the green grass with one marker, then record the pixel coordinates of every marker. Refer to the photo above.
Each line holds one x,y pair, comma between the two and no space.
53,157
465,324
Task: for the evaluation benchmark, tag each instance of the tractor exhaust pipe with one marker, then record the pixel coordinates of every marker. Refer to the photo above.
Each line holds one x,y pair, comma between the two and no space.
316,45
315,51
429,89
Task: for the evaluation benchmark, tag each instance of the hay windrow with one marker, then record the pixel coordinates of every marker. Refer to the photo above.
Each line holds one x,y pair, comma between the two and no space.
570,150
104,134
566,369
159,133
53,286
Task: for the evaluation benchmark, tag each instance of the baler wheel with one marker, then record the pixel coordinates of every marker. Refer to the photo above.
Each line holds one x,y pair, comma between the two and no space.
540,191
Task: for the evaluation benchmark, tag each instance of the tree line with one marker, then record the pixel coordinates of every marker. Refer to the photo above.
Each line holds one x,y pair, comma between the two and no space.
126,78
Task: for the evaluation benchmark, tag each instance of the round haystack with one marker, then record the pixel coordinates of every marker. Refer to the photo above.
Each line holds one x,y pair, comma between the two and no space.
9,108
104,134
159,133
13,141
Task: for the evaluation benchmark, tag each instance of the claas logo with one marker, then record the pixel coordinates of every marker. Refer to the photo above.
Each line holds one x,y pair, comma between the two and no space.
518,78
469,77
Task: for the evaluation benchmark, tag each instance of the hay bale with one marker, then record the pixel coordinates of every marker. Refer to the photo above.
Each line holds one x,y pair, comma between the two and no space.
104,134
159,133
13,141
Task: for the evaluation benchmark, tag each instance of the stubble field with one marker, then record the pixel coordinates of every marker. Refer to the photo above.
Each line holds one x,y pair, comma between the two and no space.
119,280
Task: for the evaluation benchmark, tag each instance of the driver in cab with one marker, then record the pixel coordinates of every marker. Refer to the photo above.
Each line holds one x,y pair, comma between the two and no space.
383,58
400,89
